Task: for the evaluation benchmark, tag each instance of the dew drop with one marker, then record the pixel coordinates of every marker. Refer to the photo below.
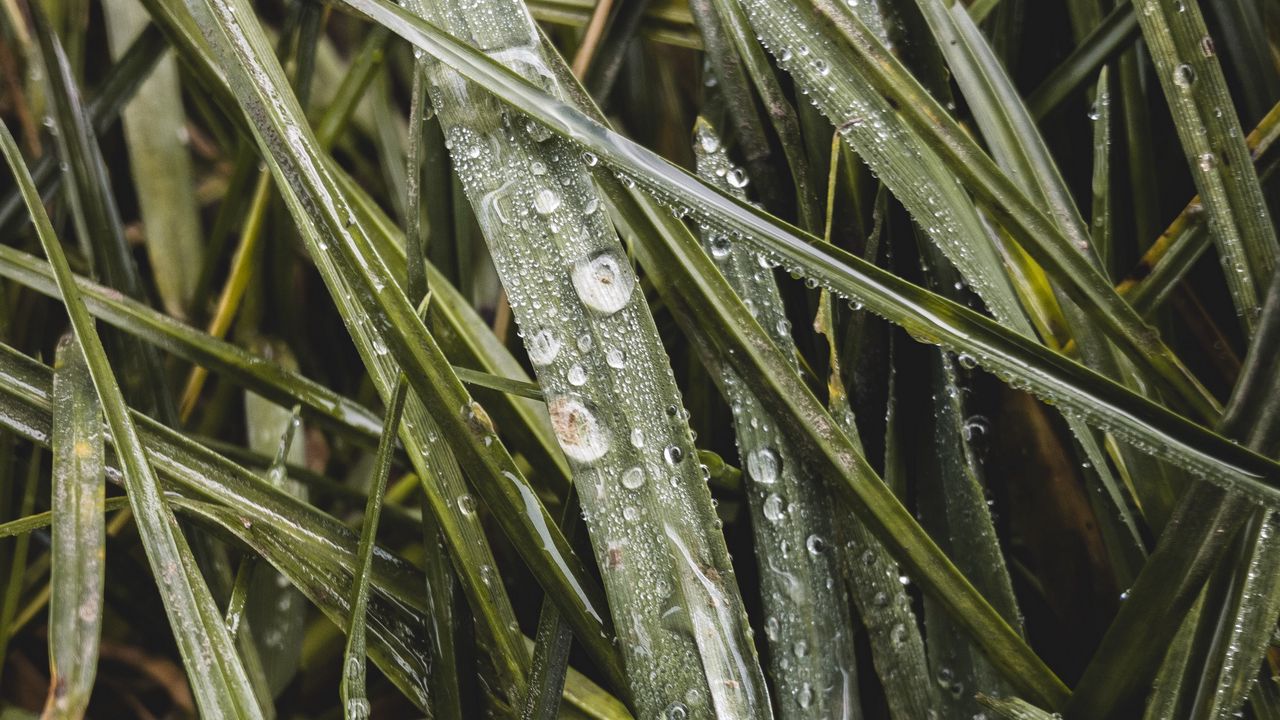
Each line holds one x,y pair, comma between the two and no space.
545,201
737,178
577,376
720,246
1184,76
673,454
467,504
774,508
543,347
676,711
615,358
633,478
763,463
637,438
603,282
1207,162
816,544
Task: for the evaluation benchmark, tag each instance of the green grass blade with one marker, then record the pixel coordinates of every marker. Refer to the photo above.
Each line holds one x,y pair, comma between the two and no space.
1189,72
97,220
218,680
38,521
79,535
801,590
387,331
155,126
1100,228
611,394
1116,32
354,702
1013,708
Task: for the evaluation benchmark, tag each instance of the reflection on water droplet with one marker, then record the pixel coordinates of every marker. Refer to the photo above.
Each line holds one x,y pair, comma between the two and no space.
577,376
816,544
676,711
762,464
543,347
774,508
633,478
673,454
737,178
1184,76
545,201
603,282
720,246
467,504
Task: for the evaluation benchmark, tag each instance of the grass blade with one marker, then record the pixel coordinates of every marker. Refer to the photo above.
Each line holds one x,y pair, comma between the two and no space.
1196,91
354,703
155,126
218,681
803,597
79,535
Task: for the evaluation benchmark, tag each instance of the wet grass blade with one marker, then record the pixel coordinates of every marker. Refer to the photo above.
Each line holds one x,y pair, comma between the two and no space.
218,681
79,535
1116,32
1194,87
354,702
155,125
804,600
387,332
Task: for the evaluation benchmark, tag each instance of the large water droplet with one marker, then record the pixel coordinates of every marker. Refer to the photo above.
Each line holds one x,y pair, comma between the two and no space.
577,376
763,463
774,508
545,201
603,282
633,478
580,433
1184,76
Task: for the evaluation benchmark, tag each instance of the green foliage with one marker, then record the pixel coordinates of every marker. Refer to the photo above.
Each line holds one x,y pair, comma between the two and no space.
725,358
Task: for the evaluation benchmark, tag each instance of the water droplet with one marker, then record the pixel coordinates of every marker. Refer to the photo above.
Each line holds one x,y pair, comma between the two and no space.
676,711
1184,76
821,67
545,201
577,376
673,454
590,160
467,504
584,342
1207,162
633,478
630,514
637,438
774,508
737,178
967,361
720,246
358,709
816,544
804,697
708,141
615,358
580,434
543,347
603,282
537,131
763,463
771,628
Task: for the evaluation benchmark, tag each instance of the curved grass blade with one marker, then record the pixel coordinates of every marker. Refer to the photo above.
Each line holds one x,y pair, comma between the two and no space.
217,678
38,521
1196,91
154,126
926,316
79,535
354,703
802,594
387,331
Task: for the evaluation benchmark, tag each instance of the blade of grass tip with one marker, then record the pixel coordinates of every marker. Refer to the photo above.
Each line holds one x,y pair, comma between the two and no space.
1194,87
155,132
1112,36
239,595
923,314
1170,681
120,83
214,481
804,601
355,704
217,678
79,535
341,248
1100,228
97,219
611,394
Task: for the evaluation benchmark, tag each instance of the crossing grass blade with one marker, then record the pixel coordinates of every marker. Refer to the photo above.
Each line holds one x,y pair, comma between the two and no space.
222,689
79,535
